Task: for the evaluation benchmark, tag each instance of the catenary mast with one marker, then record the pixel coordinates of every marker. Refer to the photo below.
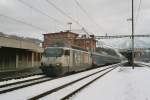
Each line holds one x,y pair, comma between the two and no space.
132,62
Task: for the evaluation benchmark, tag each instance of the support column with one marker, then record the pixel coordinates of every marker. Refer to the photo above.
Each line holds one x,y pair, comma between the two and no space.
32,59
27,58
17,60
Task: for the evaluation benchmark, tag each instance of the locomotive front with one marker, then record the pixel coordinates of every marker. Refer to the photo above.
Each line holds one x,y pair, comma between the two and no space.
53,60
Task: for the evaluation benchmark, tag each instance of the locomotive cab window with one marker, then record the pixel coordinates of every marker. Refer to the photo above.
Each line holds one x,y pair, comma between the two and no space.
53,52
67,52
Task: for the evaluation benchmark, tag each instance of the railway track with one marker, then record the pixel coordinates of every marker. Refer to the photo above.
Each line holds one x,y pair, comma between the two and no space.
18,76
21,84
20,81
8,87
49,86
85,85
143,64
74,86
25,83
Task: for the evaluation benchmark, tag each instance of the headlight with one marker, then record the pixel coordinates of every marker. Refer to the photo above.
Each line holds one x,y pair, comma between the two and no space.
58,64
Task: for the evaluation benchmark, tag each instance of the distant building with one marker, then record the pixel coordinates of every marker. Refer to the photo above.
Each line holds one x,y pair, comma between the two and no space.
87,43
68,37
71,38
140,54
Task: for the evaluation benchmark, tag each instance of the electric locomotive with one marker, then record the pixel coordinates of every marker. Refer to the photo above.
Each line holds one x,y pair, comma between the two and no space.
59,60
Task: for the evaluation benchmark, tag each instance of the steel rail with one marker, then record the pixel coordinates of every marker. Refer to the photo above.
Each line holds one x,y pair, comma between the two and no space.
67,84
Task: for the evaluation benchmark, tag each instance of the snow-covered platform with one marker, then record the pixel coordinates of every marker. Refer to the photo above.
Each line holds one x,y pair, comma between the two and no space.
124,83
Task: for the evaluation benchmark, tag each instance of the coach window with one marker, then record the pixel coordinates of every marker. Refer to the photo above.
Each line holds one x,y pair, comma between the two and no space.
67,52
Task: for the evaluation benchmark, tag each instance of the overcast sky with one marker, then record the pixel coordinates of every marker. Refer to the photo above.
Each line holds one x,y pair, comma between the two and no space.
108,16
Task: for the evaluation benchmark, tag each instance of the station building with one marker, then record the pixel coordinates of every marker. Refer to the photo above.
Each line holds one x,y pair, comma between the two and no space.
18,54
71,38
68,37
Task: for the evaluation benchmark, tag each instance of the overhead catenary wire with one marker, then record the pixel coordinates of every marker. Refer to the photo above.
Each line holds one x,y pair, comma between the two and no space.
89,17
65,14
41,12
138,12
22,22
139,9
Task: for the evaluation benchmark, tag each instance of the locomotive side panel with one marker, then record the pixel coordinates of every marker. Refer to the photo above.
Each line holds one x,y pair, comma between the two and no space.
81,60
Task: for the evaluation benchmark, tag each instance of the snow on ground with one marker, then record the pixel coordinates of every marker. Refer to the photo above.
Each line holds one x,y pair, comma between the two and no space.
28,92
139,62
65,91
21,79
121,84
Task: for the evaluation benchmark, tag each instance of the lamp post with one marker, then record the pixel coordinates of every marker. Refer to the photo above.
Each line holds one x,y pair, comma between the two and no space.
69,23
132,36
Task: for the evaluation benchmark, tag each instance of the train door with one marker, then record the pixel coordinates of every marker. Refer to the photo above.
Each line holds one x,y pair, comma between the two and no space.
75,60
67,56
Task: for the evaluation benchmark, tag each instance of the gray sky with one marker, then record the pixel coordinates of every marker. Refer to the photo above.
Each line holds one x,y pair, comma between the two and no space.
110,15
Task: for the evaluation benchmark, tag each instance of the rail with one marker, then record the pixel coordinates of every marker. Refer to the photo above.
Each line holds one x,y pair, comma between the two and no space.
59,88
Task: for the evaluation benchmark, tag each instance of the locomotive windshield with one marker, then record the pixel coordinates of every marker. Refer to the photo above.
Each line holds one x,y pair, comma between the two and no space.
53,52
